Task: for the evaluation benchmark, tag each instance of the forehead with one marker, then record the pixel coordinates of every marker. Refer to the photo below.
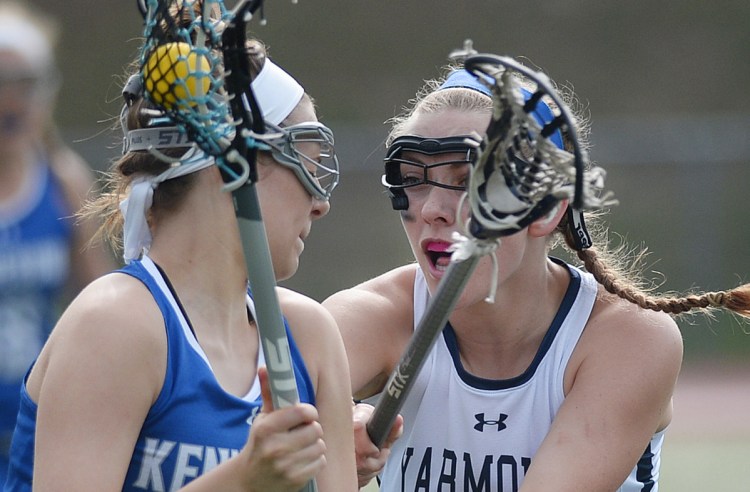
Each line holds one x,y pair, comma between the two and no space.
303,113
12,62
447,123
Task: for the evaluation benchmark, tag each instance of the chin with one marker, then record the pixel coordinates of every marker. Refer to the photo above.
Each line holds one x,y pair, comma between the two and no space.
288,270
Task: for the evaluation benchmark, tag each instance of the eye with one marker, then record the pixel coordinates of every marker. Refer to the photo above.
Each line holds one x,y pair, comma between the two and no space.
311,165
413,177
411,174
463,181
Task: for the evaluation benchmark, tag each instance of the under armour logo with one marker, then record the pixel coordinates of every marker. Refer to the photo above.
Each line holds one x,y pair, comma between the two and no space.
481,422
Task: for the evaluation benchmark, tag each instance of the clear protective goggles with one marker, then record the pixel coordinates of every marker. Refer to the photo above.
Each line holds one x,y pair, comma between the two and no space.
305,148
308,150
405,177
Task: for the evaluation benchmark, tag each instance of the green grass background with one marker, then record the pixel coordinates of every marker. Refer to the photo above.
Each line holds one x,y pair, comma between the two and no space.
705,465
697,465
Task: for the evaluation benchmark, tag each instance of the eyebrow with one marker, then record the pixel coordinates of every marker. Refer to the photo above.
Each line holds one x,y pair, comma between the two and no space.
406,158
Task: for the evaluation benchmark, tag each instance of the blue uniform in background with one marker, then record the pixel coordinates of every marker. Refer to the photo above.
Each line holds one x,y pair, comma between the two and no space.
35,243
193,425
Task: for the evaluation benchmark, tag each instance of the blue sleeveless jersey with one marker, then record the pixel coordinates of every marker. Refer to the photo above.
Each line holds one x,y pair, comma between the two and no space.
194,424
35,243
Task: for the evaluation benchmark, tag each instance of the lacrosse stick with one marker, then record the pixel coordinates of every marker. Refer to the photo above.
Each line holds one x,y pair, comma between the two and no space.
195,68
520,174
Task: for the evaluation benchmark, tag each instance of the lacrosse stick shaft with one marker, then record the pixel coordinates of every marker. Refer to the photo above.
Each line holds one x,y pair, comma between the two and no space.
262,280
430,326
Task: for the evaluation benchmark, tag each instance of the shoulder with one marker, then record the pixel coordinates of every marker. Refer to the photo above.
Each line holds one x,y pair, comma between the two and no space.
114,306
315,333
376,321
114,323
308,320
617,318
297,305
621,336
385,295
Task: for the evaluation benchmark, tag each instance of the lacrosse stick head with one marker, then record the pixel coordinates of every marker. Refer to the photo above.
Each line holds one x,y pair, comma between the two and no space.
196,71
530,158
193,104
182,68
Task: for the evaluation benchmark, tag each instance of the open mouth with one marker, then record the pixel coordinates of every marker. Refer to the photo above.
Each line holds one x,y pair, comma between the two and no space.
438,254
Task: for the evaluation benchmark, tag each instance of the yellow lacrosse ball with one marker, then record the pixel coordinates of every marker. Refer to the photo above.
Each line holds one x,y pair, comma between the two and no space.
175,75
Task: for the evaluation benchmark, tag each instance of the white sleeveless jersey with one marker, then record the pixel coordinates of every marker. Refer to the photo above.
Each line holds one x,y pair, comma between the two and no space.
465,433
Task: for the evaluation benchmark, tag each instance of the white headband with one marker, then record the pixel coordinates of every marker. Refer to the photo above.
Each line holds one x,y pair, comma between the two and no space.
136,234
277,92
26,40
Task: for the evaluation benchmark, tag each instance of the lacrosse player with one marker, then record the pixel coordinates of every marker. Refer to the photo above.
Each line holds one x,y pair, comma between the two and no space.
43,261
154,378
562,382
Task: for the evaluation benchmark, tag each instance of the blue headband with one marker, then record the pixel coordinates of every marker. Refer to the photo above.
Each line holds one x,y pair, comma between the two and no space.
463,79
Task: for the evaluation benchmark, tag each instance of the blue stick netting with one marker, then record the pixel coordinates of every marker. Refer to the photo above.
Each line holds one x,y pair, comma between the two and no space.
187,81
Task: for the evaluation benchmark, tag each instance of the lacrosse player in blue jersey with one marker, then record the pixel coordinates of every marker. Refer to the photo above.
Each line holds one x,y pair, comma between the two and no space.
43,258
154,378
563,383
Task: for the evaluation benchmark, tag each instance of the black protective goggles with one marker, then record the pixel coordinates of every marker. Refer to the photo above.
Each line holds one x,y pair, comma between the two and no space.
395,163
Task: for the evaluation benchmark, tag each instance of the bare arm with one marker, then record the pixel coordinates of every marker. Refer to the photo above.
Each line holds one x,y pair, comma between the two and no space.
321,346
94,384
619,393
101,372
376,322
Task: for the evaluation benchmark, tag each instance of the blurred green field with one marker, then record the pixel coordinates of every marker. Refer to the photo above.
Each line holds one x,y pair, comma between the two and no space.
704,465
697,466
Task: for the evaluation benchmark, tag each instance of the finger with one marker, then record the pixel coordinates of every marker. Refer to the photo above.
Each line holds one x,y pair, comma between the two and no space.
396,431
265,390
362,443
296,453
306,449
370,467
362,413
302,466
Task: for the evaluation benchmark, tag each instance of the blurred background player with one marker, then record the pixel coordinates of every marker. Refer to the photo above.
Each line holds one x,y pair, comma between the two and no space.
44,260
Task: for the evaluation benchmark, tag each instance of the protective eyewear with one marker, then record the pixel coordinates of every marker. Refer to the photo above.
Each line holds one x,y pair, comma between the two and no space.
405,176
308,150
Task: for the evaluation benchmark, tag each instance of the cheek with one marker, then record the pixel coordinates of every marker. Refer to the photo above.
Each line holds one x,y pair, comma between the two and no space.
509,255
407,216
16,117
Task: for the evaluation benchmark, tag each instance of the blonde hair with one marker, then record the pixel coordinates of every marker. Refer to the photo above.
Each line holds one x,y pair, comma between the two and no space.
618,270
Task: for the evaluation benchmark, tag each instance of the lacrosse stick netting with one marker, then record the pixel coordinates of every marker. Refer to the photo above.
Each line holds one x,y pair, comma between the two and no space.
529,160
521,175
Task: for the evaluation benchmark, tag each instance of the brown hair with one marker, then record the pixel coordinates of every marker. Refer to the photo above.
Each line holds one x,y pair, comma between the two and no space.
116,181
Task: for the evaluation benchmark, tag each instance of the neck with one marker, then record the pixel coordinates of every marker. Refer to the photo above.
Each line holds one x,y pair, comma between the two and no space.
198,245
14,169
499,340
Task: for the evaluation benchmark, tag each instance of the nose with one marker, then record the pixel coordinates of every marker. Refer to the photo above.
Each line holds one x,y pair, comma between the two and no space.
440,205
320,208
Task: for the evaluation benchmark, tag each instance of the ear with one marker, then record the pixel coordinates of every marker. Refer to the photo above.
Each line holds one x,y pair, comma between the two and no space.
263,165
545,225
